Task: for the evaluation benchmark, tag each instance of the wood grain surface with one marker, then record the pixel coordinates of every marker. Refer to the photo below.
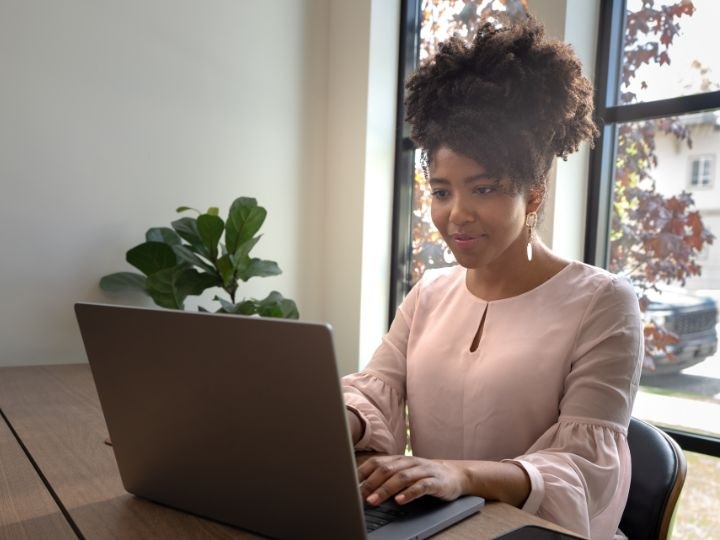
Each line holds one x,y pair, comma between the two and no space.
27,509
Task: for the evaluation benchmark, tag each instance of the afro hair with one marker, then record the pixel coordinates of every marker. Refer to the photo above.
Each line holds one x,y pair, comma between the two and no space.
511,100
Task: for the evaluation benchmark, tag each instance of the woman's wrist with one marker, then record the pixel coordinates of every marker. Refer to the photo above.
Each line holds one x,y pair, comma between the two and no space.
462,471
501,481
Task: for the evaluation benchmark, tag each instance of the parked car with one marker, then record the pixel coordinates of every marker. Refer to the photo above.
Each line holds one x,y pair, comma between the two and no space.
693,319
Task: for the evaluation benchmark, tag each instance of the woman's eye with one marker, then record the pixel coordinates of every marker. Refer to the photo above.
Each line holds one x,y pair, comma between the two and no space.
439,193
485,190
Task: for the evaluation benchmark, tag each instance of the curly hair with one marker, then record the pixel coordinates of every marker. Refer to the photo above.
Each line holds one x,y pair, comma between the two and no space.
512,100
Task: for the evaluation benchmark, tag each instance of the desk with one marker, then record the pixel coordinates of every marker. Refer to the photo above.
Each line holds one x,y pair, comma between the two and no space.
59,480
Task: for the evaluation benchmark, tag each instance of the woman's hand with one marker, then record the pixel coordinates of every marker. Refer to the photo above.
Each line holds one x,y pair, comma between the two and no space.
407,478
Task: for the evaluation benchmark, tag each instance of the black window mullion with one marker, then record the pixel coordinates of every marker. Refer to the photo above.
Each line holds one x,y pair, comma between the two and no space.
401,260
608,65
600,193
692,442
663,108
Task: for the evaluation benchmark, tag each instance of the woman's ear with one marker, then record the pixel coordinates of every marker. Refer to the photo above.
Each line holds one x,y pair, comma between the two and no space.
535,198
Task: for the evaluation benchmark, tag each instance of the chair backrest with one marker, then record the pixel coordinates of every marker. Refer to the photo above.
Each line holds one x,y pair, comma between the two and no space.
658,474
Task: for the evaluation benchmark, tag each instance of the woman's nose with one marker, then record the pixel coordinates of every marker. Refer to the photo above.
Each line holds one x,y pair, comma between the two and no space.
461,212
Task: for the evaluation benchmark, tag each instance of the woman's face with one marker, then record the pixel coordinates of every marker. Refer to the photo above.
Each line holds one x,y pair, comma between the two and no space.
481,218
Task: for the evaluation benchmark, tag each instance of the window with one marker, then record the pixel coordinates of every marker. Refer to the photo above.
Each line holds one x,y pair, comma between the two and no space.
643,218
701,172
653,207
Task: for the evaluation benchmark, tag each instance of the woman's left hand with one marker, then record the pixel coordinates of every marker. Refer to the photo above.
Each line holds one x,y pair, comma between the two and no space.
408,477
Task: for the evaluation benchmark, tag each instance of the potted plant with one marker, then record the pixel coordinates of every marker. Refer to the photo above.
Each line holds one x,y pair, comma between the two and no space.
193,256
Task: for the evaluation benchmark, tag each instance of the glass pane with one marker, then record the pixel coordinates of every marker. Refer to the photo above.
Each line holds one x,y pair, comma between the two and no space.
670,49
661,234
428,248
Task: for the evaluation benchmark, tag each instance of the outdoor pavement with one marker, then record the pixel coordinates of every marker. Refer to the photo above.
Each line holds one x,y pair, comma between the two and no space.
696,406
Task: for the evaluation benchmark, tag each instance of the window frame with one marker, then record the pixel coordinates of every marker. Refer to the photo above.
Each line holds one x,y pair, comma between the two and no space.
401,259
701,160
602,158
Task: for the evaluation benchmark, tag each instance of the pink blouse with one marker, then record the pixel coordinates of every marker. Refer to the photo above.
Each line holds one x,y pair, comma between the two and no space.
550,386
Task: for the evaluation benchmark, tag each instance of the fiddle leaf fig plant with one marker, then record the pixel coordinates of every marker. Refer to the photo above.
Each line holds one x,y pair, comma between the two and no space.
190,257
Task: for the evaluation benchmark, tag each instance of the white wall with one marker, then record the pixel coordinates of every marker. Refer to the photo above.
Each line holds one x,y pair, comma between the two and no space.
361,152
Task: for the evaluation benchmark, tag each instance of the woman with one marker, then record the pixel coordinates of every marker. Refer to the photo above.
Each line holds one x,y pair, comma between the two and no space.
517,368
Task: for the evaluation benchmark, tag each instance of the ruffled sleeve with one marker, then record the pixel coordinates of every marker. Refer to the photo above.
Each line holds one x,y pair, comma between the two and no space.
580,475
580,467
377,393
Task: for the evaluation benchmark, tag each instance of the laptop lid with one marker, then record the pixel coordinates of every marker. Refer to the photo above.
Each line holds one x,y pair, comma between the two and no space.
239,419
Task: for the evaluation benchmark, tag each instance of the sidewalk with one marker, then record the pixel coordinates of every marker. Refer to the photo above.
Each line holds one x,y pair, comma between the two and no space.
680,412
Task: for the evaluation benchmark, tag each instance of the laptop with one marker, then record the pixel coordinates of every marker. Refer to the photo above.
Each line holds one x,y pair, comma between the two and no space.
240,420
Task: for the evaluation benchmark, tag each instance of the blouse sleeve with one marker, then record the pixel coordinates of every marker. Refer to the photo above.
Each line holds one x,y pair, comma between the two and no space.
377,393
579,469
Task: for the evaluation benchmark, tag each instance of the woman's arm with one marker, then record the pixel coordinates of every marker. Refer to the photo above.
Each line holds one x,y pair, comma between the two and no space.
406,478
375,397
357,427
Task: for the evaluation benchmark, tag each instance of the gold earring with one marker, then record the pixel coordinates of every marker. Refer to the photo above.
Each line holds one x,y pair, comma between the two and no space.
530,223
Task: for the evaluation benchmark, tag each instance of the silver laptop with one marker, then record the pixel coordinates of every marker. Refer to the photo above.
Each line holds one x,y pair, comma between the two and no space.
238,419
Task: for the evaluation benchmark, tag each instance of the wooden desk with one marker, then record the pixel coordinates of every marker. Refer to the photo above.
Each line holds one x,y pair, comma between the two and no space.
59,480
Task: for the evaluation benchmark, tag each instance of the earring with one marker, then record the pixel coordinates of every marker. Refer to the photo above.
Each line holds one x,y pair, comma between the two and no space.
530,223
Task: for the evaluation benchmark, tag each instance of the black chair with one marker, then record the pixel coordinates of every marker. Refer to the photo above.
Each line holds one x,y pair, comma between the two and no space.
658,475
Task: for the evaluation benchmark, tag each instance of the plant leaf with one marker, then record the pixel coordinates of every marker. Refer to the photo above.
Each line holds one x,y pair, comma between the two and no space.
244,219
151,257
195,282
123,281
213,211
258,268
188,230
163,234
225,306
162,288
186,227
246,307
187,255
243,249
226,269
210,228
169,287
241,261
185,208
275,305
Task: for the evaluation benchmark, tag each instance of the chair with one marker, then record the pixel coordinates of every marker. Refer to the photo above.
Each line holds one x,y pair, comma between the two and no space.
658,475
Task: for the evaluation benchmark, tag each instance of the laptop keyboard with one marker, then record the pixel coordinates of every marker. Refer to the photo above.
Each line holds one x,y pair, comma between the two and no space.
387,512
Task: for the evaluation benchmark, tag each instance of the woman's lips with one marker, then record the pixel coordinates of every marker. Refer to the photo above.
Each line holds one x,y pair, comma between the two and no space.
465,240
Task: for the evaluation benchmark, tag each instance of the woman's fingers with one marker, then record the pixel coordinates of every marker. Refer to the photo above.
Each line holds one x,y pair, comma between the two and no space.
424,486
383,478
376,472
